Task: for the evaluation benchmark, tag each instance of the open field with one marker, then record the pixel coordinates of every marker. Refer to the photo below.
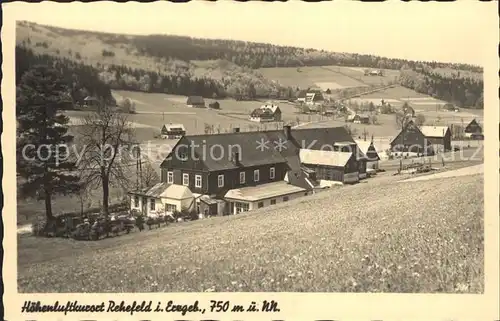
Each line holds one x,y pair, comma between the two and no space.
325,77
387,241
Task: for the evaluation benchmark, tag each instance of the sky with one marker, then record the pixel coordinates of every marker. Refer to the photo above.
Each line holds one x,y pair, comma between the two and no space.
448,32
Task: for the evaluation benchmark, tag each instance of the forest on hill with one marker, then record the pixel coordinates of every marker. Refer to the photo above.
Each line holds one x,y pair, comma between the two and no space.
81,79
235,63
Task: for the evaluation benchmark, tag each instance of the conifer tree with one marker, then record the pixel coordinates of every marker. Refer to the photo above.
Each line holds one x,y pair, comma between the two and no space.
43,142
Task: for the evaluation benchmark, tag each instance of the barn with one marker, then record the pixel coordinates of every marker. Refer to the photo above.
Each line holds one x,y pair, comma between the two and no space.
195,101
438,136
411,140
331,166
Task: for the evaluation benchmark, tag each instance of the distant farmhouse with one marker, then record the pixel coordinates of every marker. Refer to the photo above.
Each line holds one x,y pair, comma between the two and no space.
473,129
425,140
91,102
266,113
238,176
377,72
311,97
361,119
172,131
195,101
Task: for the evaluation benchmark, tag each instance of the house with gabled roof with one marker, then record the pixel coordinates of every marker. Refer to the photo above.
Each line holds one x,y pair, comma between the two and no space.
242,171
195,101
371,153
331,166
172,131
162,198
423,140
473,128
266,113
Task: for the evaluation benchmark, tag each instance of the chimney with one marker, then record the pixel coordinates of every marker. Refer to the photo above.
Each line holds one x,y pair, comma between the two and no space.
236,158
236,130
287,129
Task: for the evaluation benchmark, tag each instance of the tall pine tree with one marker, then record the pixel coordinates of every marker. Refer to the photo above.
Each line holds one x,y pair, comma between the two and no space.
43,141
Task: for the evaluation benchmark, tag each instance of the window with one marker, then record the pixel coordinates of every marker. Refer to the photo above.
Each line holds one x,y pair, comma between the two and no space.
185,179
136,201
170,208
260,204
241,207
197,181
271,173
152,204
170,177
273,202
256,175
285,198
242,177
220,181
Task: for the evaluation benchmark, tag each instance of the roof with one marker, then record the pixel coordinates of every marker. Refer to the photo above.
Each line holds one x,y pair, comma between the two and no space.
177,192
195,100
90,98
274,108
324,157
245,143
362,116
259,112
263,191
173,126
276,148
434,131
154,191
368,148
317,138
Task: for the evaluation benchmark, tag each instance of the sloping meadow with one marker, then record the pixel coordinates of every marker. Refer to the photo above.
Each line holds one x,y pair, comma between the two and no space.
374,237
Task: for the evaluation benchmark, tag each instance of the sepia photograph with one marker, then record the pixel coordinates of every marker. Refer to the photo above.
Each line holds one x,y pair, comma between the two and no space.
250,147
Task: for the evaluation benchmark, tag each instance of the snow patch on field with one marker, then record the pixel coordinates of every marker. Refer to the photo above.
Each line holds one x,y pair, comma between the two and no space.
77,121
375,101
357,69
330,85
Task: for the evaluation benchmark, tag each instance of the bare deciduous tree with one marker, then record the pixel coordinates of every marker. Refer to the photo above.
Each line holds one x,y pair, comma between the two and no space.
107,138
149,176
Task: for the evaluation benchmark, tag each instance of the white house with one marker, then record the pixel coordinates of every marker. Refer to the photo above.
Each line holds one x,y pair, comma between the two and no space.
172,131
162,198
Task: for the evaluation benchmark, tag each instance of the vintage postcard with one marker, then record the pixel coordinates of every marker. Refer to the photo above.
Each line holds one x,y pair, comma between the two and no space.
250,161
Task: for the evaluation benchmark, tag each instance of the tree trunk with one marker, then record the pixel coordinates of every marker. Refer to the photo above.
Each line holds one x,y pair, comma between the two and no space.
105,202
48,206
105,195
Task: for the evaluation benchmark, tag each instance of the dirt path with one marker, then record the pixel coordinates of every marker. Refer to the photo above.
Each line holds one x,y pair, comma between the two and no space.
465,171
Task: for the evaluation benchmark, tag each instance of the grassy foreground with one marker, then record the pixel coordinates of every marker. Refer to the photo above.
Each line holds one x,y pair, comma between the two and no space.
373,237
